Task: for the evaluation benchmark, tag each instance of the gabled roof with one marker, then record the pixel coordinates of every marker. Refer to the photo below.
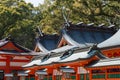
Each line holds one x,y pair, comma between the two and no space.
73,57
47,42
85,35
79,36
37,59
4,44
112,41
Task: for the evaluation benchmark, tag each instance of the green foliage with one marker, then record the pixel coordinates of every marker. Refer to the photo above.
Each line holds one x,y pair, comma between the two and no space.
20,19
16,19
95,11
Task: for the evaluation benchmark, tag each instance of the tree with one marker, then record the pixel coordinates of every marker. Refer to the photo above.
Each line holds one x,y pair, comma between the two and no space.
20,19
88,11
17,20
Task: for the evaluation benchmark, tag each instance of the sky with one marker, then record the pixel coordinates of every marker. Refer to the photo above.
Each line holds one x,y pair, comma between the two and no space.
35,2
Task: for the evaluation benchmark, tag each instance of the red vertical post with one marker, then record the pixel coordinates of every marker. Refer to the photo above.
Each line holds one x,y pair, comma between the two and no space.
77,73
53,77
8,65
77,76
90,74
7,68
85,75
36,77
106,74
54,74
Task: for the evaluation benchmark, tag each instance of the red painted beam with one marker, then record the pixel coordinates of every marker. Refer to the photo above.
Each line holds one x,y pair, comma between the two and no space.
16,60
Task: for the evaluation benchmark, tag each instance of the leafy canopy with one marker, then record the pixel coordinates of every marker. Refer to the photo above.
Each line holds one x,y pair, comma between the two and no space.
20,19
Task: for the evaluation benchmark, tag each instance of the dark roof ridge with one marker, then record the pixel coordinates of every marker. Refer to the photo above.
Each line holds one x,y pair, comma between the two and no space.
49,36
91,26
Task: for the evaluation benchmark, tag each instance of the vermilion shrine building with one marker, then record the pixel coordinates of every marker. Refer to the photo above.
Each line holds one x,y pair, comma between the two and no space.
80,52
12,58
75,54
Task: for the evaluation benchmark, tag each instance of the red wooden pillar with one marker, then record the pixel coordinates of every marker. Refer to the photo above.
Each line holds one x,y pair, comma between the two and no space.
53,77
77,73
106,74
85,76
36,77
7,67
77,76
90,74
54,74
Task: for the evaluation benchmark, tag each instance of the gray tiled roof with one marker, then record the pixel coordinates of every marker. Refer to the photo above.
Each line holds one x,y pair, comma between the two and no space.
37,60
48,42
74,57
86,36
112,41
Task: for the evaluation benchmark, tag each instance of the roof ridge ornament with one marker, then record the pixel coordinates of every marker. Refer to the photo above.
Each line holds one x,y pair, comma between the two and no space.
39,31
96,50
111,26
65,18
46,57
67,53
94,47
80,23
101,25
90,24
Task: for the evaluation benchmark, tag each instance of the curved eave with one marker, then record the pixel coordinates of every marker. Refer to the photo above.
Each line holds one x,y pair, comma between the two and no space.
2,43
17,54
48,42
74,57
55,51
81,56
41,47
32,63
58,50
70,40
49,61
111,42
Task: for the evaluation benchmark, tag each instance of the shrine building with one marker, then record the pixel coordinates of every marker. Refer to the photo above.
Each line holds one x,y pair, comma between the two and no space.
12,58
74,54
